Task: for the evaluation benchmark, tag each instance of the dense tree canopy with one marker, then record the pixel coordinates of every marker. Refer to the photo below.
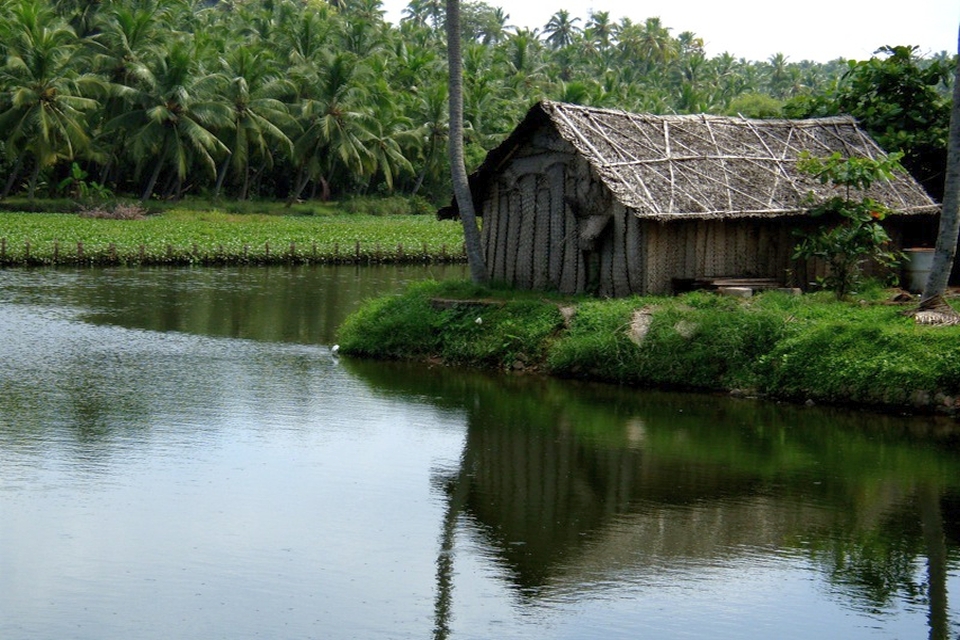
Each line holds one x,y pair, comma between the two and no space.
287,99
901,99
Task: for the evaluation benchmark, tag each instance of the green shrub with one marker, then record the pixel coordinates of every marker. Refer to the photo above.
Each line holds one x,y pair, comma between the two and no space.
455,322
597,344
394,327
871,360
796,347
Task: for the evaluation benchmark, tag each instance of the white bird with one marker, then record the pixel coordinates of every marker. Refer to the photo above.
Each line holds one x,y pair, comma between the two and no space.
335,349
479,320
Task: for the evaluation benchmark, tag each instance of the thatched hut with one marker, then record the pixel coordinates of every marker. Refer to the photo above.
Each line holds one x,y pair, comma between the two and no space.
581,199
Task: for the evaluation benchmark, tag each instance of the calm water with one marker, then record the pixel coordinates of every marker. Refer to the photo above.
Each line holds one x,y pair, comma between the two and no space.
182,457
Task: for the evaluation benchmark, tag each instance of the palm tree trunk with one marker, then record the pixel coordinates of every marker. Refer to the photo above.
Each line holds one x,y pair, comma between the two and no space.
245,189
303,177
221,175
13,177
148,190
932,298
34,177
461,184
426,165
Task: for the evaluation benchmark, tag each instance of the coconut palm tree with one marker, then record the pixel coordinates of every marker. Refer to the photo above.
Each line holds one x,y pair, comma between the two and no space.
172,117
932,298
461,186
600,30
656,46
416,12
131,40
44,116
336,124
561,29
259,117
431,111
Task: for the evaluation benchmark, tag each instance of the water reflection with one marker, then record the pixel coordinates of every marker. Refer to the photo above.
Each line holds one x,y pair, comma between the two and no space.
179,446
303,304
575,488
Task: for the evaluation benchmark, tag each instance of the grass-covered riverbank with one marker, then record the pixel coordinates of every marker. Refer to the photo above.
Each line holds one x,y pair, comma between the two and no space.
181,236
800,348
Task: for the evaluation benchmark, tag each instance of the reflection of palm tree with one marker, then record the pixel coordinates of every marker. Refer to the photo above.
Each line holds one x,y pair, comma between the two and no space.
457,490
933,536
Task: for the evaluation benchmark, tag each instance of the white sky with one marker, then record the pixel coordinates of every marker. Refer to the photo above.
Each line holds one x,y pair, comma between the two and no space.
820,30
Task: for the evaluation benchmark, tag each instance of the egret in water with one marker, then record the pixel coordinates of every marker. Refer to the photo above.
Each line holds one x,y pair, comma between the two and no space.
335,349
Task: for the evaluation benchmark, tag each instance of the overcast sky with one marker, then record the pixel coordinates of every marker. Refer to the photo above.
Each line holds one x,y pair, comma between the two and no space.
820,30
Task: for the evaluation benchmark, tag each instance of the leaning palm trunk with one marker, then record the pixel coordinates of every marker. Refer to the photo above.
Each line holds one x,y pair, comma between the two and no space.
222,174
300,183
461,185
12,177
933,307
152,181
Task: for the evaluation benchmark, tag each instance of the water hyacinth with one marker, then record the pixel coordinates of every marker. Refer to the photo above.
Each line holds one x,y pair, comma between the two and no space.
220,238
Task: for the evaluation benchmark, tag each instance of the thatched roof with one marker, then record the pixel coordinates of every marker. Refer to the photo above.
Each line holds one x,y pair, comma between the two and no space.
704,166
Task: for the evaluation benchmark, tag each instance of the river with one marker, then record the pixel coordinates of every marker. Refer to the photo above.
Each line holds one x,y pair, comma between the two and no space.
183,456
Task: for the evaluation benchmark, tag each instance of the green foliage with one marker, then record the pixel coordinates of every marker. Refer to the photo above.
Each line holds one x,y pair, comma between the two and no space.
77,187
394,326
297,101
468,330
850,233
393,205
885,359
217,237
901,100
699,340
755,105
597,344
796,347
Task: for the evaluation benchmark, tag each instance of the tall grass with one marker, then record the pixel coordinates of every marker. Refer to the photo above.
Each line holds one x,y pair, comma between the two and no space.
809,347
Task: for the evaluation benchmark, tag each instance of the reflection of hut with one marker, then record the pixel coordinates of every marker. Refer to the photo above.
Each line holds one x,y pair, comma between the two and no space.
567,484
547,498
582,199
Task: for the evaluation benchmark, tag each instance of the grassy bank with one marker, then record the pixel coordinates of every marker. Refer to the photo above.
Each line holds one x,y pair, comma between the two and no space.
183,236
799,348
